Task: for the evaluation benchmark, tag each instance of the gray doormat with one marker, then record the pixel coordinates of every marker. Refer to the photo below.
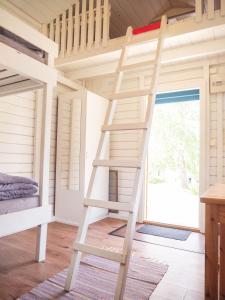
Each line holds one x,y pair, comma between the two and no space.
195,243
166,232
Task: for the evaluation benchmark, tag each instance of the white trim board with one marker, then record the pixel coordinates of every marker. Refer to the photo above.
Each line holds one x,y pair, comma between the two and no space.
95,219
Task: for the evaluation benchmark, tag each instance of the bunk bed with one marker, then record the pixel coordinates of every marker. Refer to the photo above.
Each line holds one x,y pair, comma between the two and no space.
26,64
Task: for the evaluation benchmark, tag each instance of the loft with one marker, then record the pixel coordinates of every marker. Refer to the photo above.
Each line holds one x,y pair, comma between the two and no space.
185,39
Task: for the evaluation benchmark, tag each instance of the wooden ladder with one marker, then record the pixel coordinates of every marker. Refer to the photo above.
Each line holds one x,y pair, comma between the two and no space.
132,207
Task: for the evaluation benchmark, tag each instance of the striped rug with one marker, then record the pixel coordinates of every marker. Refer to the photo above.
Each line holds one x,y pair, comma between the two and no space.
97,279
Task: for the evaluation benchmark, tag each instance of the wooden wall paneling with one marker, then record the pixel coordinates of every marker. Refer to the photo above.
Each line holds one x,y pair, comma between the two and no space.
222,262
211,279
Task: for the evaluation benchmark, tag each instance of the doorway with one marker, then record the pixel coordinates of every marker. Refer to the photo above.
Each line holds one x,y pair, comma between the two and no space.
172,188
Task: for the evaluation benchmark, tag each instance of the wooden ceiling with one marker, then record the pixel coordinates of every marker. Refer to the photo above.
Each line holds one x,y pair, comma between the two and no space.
139,13
124,12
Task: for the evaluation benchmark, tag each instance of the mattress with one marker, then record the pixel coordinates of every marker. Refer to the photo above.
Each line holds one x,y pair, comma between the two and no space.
21,45
14,205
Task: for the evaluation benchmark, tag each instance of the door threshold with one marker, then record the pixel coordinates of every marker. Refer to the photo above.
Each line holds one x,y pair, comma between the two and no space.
193,229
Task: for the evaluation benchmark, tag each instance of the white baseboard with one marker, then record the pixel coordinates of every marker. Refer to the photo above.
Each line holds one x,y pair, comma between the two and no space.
118,216
64,221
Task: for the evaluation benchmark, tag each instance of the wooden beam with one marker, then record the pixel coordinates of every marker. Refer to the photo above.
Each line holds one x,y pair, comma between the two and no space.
26,65
175,55
75,85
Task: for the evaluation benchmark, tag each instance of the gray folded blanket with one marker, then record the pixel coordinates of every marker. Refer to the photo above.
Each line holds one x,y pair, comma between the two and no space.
5,179
18,193
12,187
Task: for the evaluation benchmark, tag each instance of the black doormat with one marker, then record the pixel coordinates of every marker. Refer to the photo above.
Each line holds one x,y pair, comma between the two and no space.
166,232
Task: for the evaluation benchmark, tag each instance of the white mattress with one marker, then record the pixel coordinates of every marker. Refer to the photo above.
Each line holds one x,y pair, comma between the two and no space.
9,206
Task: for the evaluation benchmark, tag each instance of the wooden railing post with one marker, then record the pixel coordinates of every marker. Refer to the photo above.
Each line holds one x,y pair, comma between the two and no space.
57,29
211,9
83,25
63,35
69,31
91,24
222,7
105,23
198,10
76,30
98,24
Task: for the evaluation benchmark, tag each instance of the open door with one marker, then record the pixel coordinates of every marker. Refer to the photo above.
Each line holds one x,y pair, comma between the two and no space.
69,163
80,118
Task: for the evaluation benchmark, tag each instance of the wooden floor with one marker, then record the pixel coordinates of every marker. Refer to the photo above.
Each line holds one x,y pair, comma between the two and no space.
19,272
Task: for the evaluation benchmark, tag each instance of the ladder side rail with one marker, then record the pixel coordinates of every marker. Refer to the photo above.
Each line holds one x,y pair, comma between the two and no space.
127,247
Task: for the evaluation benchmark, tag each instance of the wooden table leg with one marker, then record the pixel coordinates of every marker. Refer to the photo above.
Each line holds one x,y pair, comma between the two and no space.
211,255
222,262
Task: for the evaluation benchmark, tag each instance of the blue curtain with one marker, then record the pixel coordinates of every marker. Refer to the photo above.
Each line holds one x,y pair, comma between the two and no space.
180,96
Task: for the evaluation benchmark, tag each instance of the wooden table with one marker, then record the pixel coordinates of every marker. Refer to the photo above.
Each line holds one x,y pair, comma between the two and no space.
214,198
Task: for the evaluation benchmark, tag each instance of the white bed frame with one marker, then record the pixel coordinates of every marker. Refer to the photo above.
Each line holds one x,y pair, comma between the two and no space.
22,73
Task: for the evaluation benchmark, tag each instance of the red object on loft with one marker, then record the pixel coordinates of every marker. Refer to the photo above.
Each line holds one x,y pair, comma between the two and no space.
149,27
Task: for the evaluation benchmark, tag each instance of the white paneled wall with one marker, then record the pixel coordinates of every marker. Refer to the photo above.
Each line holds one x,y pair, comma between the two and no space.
18,133
69,123
17,119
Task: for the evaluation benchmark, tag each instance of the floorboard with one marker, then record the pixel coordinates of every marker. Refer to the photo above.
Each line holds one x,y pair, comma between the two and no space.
19,272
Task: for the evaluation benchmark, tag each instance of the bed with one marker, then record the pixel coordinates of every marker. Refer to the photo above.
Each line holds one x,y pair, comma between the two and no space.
27,63
18,204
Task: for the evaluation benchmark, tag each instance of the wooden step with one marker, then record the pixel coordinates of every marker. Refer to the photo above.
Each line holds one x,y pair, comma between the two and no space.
131,126
100,252
132,94
139,65
108,205
117,163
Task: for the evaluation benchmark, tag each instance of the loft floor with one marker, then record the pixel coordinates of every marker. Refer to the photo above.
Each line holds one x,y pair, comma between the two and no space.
20,273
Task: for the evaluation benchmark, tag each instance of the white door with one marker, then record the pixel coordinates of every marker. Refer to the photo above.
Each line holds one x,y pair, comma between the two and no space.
70,165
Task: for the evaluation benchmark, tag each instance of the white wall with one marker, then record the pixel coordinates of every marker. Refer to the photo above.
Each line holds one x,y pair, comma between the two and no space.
18,136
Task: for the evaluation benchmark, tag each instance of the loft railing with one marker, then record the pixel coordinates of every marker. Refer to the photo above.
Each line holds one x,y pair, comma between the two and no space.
85,25
209,7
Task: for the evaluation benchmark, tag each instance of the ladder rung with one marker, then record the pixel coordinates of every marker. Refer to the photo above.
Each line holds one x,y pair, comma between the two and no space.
117,163
108,205
115,127
142,64
100,252
132,94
